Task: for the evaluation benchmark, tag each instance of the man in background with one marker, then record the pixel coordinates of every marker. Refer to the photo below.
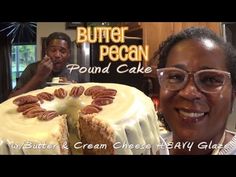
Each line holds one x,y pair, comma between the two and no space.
36,75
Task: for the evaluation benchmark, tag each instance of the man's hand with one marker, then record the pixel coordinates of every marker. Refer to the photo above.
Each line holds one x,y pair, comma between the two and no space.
44,68
43,71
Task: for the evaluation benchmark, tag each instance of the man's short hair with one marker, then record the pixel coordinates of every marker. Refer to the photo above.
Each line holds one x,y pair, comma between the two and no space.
58,35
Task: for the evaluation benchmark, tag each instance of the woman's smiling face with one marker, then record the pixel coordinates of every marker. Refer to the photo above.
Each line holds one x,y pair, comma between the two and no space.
194,115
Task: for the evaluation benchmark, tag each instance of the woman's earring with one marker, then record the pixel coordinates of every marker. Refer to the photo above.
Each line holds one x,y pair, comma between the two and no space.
161,118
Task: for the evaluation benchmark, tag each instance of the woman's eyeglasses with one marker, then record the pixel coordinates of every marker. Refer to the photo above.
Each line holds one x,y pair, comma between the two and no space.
207,80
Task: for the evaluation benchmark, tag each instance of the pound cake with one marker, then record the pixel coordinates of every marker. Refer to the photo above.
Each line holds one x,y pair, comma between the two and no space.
88,118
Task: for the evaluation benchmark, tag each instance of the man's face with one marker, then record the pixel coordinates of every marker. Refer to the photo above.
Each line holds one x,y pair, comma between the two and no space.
59,52
192,114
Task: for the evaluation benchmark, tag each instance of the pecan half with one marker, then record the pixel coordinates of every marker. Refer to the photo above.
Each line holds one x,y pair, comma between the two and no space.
60,93
25,100
45,96
104,93
91,90
47,115
77,91
33,112
24,107
98,107
90,109
101,101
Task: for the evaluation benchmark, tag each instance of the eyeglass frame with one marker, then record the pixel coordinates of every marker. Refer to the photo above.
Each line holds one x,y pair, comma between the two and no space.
193,74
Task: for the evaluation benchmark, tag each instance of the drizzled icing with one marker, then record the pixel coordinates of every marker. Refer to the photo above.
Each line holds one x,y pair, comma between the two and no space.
131,115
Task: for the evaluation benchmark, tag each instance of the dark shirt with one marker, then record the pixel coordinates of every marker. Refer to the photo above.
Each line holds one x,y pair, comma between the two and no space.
31,69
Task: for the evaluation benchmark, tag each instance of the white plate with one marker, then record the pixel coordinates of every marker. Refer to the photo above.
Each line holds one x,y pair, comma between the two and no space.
61,83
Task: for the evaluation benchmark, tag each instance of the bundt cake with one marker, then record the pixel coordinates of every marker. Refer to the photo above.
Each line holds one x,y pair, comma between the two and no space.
88,118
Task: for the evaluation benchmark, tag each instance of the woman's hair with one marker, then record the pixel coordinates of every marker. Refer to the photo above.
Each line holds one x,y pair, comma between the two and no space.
198,33
58,35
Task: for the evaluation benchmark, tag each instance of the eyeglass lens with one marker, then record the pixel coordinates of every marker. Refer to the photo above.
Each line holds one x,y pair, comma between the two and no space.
205,80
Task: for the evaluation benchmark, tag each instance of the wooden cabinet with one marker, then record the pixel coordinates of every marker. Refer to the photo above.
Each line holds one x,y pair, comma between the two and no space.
214,26
154,33
132,25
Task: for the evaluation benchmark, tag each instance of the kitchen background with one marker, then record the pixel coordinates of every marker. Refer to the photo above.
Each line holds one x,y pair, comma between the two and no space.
146,33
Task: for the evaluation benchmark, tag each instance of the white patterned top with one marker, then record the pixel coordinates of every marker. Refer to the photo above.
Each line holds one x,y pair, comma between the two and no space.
228,149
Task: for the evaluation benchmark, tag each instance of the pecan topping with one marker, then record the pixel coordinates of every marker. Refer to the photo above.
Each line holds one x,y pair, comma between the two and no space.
24,107
33,112
77,91
60,93
101,101
94,89
90,109
104,93
25,100
98,107
47,115
45,96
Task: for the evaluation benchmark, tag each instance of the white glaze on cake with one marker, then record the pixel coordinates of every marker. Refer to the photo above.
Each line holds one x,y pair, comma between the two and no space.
131,116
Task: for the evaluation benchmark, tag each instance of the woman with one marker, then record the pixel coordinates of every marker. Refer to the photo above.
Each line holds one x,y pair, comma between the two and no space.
197,77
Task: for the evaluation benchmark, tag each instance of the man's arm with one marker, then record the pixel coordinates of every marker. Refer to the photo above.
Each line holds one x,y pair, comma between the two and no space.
43,70
33,84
